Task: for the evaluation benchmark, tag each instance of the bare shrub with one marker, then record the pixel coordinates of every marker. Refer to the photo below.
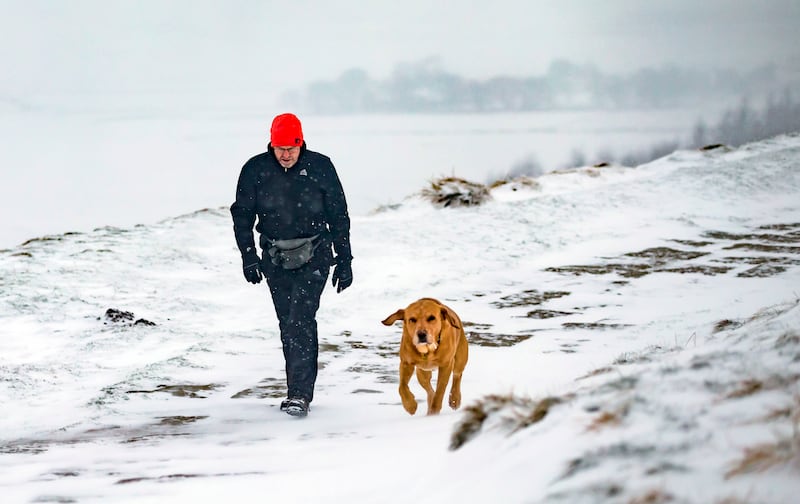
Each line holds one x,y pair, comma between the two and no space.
455,192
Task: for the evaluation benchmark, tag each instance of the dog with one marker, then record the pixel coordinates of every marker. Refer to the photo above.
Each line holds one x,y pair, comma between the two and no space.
433,338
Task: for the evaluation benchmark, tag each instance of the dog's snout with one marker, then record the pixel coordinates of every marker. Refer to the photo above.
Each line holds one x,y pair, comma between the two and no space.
422,336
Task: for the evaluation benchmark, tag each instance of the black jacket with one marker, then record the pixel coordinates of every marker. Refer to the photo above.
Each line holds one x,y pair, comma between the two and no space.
302,201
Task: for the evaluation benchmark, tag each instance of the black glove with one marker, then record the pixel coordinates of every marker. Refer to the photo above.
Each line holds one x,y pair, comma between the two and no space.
342,275
251,267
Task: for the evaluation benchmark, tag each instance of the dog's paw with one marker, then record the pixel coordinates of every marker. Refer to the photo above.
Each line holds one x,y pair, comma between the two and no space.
454,401
411,407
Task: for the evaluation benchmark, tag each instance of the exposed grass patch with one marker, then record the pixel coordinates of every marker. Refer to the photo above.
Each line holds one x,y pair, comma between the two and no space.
181,390
609,418
752,386
495,339
596,372
652,496
529,297
593,325
766,456
546,314
666,254
726,325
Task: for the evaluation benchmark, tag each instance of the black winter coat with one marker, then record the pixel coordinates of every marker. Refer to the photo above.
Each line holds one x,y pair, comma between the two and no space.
302,201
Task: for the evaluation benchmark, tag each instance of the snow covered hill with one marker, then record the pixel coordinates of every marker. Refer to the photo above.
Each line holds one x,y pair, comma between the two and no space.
634,337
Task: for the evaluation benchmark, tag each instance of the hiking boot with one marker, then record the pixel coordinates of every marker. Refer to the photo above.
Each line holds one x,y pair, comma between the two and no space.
284,404
297,406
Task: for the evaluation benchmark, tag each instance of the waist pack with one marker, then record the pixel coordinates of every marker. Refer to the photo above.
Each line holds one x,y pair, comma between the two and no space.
291,254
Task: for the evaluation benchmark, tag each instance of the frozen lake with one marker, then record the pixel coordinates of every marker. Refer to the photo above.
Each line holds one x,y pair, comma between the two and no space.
78,164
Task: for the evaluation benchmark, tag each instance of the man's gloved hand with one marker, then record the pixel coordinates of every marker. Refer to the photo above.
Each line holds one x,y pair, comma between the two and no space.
342,275
251,267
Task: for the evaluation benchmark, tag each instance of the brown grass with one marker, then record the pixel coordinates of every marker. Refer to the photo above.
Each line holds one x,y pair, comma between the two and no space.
782,453
654,496
765,456
609,418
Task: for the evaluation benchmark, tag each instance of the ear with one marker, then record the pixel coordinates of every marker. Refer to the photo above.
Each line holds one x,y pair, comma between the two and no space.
450,317
394,317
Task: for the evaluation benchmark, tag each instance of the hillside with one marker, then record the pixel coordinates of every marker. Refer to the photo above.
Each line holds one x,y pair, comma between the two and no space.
634,337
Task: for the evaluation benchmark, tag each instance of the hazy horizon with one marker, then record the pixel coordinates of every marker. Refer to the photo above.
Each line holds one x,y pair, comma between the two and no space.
248,45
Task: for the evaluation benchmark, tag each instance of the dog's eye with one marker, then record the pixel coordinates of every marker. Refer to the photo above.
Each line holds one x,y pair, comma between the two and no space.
413,320
431,318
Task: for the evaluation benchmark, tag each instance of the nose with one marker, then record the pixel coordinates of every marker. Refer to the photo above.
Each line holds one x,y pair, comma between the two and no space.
422,336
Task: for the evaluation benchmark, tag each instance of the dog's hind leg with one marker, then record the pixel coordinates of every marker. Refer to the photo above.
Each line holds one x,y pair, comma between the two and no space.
424,379
409,402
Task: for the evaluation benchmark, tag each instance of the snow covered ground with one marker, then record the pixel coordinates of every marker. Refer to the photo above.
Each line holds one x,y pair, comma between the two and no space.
634,337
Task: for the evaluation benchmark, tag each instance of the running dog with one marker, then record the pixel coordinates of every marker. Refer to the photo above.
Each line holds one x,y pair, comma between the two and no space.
433,338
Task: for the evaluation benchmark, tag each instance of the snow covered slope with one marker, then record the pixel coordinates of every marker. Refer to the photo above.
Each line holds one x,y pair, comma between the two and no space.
634,337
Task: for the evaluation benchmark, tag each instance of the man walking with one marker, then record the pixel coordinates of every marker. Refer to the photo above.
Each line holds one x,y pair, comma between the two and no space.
296,201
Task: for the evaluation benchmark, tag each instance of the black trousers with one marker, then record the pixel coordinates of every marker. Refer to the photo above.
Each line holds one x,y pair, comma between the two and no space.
296,295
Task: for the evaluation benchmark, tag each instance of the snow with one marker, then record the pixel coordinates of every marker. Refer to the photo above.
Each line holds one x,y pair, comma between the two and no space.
603,289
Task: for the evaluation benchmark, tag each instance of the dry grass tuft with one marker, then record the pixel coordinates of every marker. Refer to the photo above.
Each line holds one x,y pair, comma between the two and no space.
752,386
456,192
746,388
596,372
538,412
516,183
515,413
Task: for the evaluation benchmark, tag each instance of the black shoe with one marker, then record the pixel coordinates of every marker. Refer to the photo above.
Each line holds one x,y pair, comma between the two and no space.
297,406
284,404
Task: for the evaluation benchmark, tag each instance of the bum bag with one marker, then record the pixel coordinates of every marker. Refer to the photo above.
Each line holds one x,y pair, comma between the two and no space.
291,254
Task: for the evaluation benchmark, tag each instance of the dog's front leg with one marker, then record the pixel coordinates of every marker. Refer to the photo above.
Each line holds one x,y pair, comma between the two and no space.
441,385
424,379
409,403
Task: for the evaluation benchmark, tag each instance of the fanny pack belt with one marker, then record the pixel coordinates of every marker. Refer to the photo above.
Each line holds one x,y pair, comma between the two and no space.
291,254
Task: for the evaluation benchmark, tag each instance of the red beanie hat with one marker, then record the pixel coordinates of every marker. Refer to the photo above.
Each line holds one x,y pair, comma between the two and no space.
286,131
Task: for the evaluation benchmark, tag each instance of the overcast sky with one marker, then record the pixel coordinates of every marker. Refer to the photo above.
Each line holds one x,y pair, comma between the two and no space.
259,44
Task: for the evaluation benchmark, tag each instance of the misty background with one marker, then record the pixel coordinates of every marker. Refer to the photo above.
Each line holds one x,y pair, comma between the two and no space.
116,113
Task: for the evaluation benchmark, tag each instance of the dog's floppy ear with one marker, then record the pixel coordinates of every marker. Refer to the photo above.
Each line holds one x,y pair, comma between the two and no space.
394,317
450,317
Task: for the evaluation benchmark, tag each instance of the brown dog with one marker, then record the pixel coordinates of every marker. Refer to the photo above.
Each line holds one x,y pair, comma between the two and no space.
433,338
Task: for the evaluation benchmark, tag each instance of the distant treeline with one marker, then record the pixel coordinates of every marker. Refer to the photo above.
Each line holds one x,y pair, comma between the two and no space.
735,127
425,86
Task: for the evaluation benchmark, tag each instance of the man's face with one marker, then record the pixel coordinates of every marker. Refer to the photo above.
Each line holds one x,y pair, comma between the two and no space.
287,156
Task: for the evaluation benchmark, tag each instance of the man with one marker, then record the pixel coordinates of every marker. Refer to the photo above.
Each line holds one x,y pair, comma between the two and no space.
296,196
